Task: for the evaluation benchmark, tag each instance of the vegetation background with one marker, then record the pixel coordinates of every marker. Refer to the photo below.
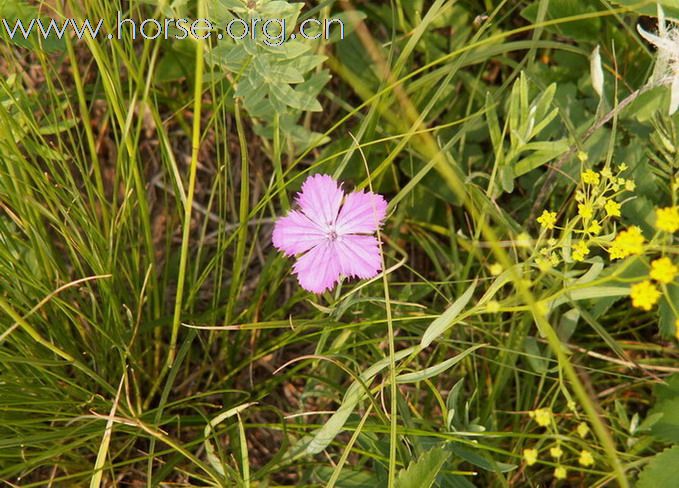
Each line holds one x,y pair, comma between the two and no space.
150,334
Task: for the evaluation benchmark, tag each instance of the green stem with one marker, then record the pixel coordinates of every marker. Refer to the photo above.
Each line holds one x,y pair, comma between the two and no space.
243,214
195,147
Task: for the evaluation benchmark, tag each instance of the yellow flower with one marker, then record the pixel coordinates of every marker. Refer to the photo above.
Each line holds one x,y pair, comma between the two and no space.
612,208
591,177
547,219
594,227
530,456
560,473
607,173
492,306
580,250
556,452
667,219
627,243
586,458
542,416
676,329
554,259
585,210
644,295
544,264
495,269
583,429
579,196
630,185
582,156
523,239
663,270
622,167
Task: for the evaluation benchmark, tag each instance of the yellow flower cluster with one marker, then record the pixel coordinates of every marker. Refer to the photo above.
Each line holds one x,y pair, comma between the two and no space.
596,206
663,270
644,295
548,262
556,452
530,456
667,219
580,250
545,418
594,227
542,416
591,177
586,458
547,219
612,208
629,242
599,192
560,473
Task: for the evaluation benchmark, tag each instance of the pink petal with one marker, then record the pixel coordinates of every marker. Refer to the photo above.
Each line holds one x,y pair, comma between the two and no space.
318,270
362,213
358,256
320,199
295,234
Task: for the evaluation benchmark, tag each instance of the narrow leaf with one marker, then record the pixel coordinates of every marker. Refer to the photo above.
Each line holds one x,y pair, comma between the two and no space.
437,369
448,318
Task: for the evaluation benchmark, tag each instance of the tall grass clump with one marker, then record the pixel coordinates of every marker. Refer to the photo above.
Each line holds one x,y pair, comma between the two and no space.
520,330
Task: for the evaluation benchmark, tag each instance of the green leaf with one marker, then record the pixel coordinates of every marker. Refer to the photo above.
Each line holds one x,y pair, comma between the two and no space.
284,95
279,9
589,293
448,318
437,369
506,174
668,319
422,472
586,29
669,389
355,393
209,448
274,72
480,461
348,478
493,125
667,427
289,50
231,57
648,104
534,355
661,471
12,11
671,7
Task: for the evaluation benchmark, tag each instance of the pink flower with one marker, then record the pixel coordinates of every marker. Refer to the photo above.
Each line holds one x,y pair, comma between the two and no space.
332,232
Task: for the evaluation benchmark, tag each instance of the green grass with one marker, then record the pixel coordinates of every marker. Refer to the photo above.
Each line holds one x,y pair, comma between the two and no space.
150,333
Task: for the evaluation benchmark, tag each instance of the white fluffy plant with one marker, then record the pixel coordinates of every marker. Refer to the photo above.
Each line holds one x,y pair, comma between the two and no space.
666,68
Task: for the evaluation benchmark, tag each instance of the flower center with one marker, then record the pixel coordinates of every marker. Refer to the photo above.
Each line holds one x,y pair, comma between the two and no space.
332,235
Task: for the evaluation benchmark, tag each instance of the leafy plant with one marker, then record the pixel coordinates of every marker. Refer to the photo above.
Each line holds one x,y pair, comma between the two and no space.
274,71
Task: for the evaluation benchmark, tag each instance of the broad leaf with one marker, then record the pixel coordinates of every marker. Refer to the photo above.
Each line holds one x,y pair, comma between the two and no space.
661,471
422,472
